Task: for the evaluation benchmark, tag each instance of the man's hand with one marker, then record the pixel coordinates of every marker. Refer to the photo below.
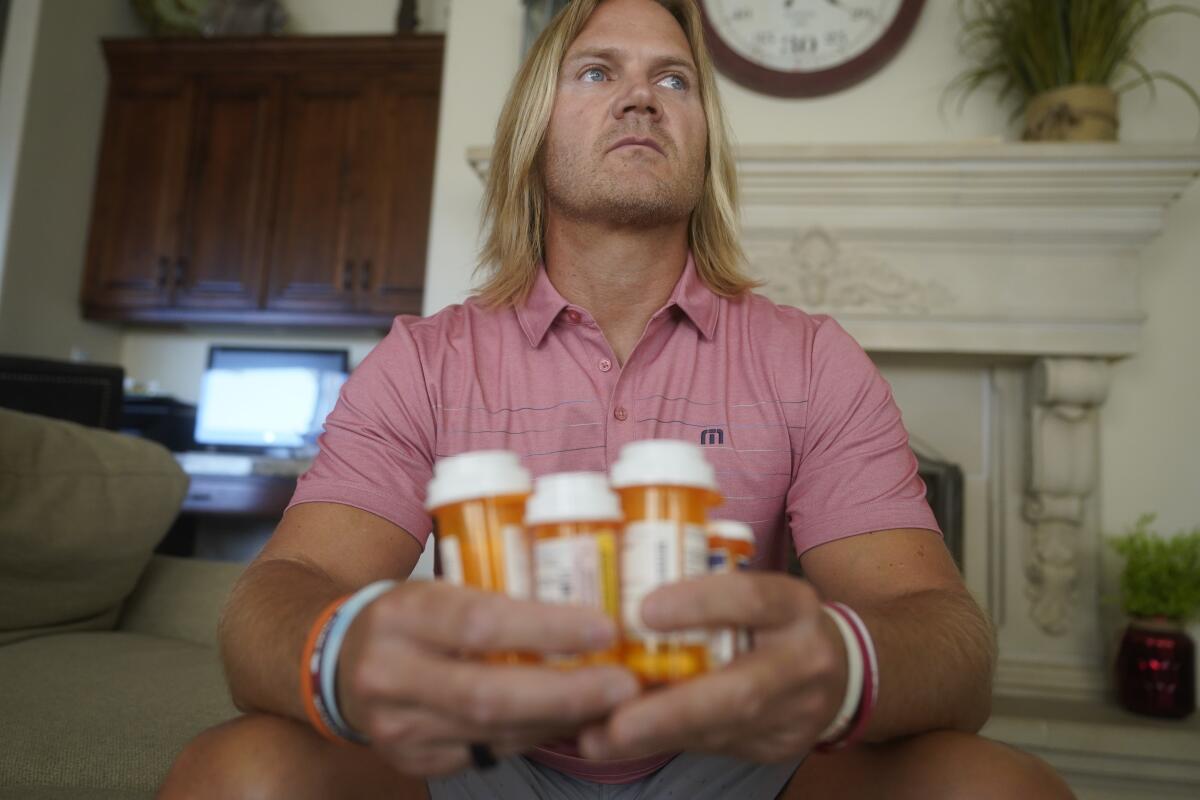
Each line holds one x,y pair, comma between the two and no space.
767,705
410,677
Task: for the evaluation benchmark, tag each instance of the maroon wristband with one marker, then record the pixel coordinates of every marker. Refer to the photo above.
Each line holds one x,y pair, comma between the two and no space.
870,689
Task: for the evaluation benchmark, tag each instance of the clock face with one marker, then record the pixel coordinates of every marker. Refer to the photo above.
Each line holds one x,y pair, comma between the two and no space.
805,47
801,35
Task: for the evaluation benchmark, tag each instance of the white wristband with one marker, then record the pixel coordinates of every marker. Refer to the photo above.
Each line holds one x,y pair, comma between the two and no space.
872,664
333,646
854,679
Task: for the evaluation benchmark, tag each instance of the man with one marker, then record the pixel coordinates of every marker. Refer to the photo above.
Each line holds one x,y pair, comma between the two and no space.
612,169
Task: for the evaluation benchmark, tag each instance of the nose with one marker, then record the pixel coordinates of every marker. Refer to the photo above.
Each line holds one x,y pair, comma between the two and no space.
637,99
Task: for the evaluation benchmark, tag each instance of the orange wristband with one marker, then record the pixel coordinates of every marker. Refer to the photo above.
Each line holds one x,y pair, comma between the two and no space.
310,673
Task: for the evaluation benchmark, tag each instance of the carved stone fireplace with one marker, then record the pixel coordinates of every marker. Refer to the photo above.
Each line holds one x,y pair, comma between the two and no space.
993,284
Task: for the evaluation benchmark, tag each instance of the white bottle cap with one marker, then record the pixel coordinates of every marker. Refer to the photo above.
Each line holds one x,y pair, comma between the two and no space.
666,462
572,497
731,529
470,476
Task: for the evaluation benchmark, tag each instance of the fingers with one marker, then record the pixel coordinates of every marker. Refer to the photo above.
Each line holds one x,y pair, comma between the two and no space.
754,600
493,696
421,702
459,619
399,673
422,741
705,713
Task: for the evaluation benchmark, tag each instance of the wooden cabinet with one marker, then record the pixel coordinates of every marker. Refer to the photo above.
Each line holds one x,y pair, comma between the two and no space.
222,254
264,181
390,234
139,189
315,200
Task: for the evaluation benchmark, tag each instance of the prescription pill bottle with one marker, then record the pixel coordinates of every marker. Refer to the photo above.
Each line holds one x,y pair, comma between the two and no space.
666,488
575,522
478,502
730,548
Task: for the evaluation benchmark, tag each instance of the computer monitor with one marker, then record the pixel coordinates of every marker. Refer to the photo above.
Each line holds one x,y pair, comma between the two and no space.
261,399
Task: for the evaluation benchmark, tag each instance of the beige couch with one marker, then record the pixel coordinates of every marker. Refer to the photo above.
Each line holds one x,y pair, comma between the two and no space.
108,663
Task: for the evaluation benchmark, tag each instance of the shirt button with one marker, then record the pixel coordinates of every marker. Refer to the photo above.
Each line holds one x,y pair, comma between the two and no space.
573,317
620,413
605,365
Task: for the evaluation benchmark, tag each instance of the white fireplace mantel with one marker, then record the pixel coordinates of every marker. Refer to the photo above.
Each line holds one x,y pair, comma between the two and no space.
986,248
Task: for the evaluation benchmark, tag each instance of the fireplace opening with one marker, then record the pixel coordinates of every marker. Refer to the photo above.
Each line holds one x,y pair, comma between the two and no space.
944,492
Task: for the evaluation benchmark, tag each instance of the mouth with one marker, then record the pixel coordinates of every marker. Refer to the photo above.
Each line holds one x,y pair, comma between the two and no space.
637,141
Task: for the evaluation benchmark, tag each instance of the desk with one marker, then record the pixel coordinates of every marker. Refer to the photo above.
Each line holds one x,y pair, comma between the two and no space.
238,495
247,506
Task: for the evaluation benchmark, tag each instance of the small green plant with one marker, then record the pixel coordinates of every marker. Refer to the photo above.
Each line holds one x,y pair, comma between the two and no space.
1033,46
1162,575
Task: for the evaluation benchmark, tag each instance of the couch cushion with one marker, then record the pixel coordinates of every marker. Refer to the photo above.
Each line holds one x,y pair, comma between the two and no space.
180,598
101,713
81,510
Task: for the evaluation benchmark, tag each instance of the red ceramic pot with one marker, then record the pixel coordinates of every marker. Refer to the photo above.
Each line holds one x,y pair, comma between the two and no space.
1156,669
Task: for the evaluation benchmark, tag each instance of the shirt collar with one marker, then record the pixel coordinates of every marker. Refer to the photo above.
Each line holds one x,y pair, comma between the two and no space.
544,304
541,308
696,300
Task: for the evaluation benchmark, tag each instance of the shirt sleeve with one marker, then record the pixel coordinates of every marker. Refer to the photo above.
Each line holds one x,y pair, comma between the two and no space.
376,452
856,471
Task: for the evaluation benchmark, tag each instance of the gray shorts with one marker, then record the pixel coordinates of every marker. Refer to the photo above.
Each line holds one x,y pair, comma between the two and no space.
689,776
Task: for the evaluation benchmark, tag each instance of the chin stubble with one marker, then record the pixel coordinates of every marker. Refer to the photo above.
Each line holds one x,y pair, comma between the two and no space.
594,195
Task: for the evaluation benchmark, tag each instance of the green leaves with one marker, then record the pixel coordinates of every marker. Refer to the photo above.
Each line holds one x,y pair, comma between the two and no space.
1161,576
1031,46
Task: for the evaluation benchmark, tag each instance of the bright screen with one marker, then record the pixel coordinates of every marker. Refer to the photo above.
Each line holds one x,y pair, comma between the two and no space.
267,398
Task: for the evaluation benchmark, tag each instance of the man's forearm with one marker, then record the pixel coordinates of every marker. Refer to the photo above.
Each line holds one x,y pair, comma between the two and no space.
262,633
936,654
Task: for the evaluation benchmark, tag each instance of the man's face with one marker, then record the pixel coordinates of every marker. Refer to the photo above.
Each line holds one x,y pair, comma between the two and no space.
629,75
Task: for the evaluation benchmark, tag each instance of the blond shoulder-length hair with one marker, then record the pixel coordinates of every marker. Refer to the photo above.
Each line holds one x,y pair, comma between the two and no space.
514,204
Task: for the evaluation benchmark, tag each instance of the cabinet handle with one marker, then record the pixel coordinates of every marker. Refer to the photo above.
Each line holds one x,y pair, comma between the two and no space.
163,265
366,275
180,270
348,275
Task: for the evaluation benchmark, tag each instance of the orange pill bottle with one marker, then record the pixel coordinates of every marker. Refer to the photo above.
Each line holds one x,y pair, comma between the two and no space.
666,488
730,548
575,522
478,502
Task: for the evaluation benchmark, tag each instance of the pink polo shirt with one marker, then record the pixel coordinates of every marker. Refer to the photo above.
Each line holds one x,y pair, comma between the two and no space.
802,430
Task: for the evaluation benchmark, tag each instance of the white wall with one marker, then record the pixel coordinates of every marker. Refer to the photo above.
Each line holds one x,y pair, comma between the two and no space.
483,43
362,16
16,66
50,193
1151,428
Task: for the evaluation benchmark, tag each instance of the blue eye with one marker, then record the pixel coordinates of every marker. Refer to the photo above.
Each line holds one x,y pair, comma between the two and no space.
679,83
593,71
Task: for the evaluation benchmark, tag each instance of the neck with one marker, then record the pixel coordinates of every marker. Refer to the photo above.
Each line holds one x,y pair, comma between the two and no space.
620,275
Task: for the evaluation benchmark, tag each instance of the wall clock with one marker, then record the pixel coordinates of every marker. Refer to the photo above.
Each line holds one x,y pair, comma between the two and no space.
805,48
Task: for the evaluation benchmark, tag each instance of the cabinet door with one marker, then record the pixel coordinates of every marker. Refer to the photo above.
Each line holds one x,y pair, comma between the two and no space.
220,263
139,192
396,165
310,259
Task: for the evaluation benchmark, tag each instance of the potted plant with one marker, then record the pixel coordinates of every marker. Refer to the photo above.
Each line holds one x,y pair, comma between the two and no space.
1063,61
1160,590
